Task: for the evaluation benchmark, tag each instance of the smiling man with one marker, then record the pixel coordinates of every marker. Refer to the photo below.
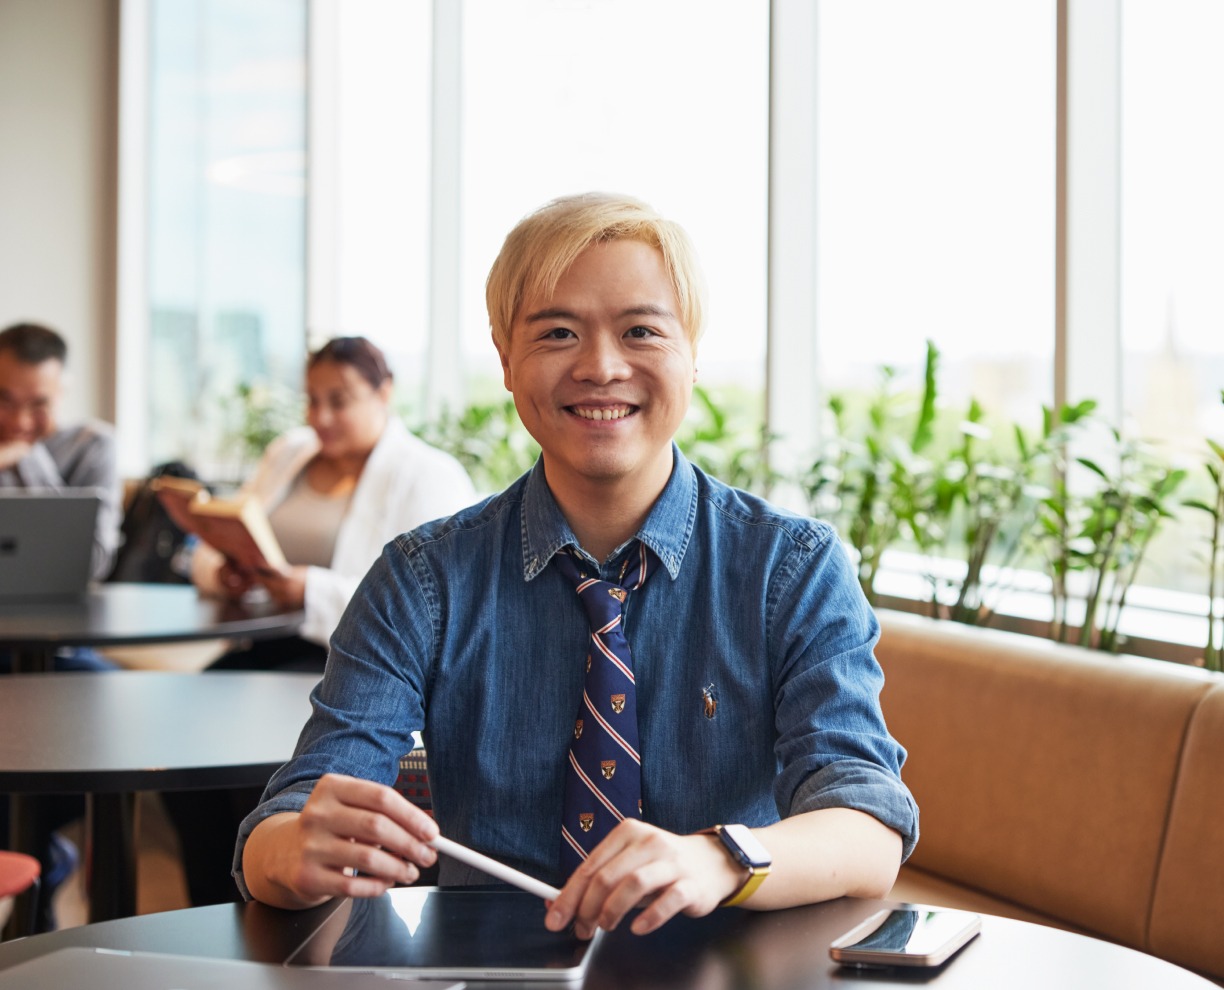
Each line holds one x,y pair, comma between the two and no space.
631,679
35,450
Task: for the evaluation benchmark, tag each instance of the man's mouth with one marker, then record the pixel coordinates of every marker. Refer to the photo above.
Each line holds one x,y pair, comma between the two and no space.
600,413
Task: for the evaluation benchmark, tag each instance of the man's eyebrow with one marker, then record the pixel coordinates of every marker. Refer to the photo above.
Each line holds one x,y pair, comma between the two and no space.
550,314
557,313
649,309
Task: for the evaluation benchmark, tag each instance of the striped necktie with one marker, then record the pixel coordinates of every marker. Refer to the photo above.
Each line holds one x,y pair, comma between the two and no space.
603,782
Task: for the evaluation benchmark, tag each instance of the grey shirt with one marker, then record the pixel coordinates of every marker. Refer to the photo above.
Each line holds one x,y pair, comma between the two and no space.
78,457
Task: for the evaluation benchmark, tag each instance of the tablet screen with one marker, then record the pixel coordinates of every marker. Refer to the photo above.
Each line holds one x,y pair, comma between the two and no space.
455,932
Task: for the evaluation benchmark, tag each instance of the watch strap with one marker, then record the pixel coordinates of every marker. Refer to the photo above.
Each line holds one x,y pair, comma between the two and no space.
756,876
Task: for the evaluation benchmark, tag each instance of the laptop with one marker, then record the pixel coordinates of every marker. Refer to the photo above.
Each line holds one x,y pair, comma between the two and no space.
46,543
446,933
90,969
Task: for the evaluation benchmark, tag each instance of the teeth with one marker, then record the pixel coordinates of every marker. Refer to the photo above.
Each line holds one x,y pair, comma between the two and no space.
615,412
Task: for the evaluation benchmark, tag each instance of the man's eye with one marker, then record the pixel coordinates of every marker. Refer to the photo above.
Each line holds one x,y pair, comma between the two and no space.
640,332
558,333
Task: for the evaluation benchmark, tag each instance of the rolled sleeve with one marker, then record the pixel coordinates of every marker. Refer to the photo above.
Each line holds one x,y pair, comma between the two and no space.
862,787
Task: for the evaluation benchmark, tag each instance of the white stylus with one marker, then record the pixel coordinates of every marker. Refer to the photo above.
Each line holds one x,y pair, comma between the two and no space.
495,869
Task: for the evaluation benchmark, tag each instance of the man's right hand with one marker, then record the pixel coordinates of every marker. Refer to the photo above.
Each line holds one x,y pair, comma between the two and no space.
13,452
353,838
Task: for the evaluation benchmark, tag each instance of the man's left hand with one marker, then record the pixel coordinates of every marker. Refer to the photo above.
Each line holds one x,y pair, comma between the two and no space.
640,865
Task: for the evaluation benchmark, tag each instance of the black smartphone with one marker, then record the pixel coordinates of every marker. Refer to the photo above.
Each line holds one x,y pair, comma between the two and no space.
906,936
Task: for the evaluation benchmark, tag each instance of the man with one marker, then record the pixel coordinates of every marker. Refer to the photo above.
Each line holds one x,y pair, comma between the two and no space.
756,688
35,452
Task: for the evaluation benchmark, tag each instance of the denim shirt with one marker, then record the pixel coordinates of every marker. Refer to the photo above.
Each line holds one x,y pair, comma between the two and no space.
757,688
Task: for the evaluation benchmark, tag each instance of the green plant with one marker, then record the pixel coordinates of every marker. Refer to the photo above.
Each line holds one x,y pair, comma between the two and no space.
1103,532
1215,575
870,481
257,413
718,437
487,438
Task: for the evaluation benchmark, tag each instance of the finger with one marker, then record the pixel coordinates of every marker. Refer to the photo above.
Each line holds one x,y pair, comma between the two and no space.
577,902
373,814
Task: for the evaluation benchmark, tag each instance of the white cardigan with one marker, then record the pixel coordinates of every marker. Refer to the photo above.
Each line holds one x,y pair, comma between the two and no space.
405,482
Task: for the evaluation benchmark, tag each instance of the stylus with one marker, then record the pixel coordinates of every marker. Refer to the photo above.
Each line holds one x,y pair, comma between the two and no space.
495,869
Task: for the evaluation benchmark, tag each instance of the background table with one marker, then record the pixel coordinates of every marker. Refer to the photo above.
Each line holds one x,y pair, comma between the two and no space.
730,949
108,735
127,614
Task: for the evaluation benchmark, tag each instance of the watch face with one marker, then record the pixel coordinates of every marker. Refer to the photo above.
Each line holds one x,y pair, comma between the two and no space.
740,840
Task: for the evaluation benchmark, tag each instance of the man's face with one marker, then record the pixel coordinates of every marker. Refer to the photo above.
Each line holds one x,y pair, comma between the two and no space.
29,398
602,372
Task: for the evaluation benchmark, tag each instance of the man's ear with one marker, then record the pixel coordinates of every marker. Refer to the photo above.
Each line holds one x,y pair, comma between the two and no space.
505,363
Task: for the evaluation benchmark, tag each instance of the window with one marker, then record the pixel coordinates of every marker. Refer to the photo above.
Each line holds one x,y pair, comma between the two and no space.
1173,249
226,215
935,197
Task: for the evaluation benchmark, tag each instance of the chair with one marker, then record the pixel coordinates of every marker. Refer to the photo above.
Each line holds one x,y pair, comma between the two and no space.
19,874
413,783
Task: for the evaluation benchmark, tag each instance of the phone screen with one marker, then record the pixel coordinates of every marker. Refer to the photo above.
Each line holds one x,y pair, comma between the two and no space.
913,936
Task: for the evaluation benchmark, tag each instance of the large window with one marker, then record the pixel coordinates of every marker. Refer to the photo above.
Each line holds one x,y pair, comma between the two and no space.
935,197
917,181
226,210
1173,248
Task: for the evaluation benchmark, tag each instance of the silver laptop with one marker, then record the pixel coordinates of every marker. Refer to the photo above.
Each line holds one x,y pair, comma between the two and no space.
46,543
91,969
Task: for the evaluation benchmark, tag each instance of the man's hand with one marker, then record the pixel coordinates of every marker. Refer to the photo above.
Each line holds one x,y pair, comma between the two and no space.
639,865
353,838
13,452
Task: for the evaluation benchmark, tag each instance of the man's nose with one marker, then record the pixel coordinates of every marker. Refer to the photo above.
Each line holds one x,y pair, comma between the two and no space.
600,360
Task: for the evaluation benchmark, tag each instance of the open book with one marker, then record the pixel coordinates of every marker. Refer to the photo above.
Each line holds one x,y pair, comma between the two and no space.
237,527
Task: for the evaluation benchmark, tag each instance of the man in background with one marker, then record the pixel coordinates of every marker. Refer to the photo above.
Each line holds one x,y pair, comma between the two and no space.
35,451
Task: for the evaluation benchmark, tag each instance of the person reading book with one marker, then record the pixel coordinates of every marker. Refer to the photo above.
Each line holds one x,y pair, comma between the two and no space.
743,715
334,492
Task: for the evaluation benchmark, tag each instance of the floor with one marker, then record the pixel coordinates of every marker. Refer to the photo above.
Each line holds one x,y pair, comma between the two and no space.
160,885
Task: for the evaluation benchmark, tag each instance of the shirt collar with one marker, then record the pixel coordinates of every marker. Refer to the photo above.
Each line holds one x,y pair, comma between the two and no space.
666,531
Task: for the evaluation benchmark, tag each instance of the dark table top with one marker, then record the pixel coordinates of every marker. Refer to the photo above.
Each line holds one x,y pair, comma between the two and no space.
146,730
730,949
125,614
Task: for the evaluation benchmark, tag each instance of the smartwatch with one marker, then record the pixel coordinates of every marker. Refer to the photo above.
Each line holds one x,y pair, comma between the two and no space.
743,847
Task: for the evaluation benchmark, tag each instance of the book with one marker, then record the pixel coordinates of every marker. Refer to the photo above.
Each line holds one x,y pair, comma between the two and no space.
237,527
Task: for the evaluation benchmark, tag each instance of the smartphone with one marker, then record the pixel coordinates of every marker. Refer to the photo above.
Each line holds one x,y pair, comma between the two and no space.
910,936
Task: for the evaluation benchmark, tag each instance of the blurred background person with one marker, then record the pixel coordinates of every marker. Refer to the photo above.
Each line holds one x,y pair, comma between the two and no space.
336,491
36,452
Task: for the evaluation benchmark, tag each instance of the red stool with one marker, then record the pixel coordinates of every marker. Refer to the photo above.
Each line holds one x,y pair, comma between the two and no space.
20,873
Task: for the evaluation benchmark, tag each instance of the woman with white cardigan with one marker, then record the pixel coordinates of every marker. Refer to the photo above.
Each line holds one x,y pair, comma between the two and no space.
336,491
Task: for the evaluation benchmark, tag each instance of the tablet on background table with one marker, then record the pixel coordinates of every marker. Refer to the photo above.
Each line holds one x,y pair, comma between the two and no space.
89,969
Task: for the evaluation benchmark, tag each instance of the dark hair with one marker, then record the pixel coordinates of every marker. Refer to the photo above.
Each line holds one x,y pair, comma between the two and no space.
33,343
358,353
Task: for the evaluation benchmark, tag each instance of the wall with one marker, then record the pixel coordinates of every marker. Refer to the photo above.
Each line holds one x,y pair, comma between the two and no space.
58,110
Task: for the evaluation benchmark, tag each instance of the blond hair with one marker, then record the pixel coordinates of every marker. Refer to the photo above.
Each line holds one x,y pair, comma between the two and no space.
544,244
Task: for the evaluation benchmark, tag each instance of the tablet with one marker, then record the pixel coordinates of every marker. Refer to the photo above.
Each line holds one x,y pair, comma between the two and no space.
453,932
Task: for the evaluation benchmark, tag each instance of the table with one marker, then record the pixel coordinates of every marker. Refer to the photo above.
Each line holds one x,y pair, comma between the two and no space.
108,735
126,614
730,949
